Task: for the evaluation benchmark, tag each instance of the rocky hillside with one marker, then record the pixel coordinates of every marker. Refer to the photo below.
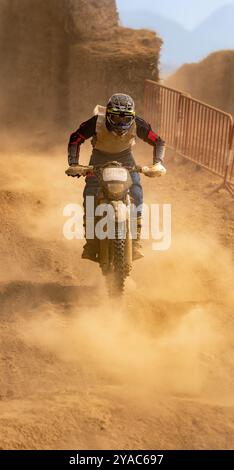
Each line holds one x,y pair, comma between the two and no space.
60,57
210,80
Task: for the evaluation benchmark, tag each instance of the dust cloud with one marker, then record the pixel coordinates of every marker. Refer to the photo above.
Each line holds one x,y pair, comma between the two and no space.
170,338
158,338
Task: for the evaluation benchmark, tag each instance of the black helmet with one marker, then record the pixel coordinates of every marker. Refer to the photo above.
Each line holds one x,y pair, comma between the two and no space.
120,113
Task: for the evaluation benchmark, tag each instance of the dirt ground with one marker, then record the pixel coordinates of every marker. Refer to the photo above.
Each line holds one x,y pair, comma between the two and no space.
77,371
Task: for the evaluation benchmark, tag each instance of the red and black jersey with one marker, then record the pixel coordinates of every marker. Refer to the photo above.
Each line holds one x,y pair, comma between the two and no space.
87,130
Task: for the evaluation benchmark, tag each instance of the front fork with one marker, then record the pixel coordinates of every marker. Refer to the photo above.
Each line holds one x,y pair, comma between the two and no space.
128,243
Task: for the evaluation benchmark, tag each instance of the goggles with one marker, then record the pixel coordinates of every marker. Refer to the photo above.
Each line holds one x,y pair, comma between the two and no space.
121,117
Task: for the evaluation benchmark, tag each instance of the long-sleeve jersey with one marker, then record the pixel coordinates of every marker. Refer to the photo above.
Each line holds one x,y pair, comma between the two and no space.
87,130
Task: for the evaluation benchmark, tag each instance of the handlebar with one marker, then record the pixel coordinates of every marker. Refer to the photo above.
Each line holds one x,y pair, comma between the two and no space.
81,170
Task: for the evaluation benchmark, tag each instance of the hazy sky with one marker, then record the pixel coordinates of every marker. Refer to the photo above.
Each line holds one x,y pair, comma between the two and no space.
187,12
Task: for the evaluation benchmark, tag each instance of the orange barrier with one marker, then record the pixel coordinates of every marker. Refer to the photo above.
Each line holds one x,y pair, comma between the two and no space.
229,180
195,130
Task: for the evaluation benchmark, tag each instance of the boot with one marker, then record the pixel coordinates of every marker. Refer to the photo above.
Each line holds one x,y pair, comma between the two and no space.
90,248
137,252
89,251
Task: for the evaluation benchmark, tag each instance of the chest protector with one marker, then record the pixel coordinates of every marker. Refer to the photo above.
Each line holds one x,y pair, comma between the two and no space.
107,141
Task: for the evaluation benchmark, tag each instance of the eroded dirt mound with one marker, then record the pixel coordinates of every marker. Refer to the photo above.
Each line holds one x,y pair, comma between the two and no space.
77,371
210,80
60,58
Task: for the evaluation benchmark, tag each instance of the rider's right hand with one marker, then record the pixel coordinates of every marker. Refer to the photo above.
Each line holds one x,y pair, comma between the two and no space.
72,172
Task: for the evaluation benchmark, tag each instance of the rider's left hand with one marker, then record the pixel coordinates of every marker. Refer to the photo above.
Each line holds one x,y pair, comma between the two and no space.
154,170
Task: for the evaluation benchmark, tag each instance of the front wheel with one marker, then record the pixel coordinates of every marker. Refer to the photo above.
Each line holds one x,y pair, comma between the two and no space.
116,278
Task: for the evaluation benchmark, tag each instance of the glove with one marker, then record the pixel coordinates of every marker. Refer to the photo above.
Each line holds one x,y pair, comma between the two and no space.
154,170
73,171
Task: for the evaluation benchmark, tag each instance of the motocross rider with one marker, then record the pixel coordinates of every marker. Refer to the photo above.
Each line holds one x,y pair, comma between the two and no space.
113,136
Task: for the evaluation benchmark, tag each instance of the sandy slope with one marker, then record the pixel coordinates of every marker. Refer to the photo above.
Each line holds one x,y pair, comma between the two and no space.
78,372
204,80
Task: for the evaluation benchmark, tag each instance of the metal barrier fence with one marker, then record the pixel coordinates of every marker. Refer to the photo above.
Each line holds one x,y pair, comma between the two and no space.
195,130
229,183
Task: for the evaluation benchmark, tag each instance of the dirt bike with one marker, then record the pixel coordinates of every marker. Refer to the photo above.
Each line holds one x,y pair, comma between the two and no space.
115,252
